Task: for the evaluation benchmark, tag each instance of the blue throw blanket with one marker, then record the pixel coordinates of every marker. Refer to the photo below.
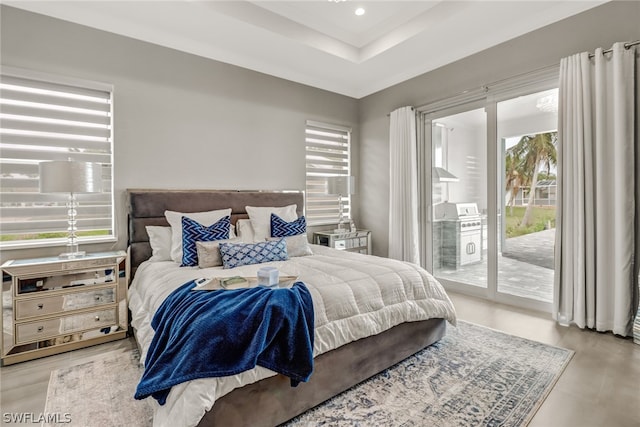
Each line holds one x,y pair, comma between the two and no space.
218,333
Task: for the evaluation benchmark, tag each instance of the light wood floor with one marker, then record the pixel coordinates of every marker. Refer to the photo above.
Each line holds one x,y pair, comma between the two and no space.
600,387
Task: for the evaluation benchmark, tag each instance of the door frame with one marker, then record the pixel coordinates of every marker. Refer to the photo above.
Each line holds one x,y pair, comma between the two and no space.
426,122
486,97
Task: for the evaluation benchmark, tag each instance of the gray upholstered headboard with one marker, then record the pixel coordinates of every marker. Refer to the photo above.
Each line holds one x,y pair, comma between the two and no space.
146,207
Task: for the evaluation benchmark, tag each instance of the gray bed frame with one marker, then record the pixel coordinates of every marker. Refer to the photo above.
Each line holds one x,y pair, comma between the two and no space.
273,401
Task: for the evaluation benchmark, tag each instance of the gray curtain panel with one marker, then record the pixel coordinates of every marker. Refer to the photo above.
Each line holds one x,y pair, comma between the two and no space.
596,281
403,186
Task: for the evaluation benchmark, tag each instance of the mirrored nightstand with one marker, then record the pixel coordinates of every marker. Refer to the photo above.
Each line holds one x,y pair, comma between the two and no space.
352,241
52,305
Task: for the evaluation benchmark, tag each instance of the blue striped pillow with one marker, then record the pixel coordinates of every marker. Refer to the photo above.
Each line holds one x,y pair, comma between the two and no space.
193,231
235,255
282,228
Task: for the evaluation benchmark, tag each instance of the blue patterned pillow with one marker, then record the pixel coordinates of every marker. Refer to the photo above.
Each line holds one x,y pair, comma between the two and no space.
193,232
235,255
282,228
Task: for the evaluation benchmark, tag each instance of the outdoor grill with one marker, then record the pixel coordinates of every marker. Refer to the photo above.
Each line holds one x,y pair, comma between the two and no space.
461,233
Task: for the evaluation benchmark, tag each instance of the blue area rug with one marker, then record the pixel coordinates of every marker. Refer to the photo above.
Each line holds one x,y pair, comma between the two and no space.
474,376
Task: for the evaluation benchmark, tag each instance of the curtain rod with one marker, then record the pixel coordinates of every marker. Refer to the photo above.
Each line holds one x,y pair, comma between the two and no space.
485,87
412,109
626,46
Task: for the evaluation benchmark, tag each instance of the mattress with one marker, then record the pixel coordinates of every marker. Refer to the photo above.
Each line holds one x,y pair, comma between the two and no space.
354,296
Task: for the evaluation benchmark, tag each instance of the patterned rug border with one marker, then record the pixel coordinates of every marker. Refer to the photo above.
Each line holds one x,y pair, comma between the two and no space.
552,384
130,361
130,355
296,422
572,352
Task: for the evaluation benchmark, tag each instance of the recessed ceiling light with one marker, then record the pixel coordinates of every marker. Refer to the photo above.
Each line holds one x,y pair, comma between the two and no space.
360,11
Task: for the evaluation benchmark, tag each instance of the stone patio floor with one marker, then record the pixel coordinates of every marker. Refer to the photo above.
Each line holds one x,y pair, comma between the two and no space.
525,267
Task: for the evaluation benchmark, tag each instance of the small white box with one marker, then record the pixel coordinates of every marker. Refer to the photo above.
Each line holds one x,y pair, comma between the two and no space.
268,276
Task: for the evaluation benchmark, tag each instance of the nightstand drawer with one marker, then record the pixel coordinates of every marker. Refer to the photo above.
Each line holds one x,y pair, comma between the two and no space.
37,331
59,304
56,281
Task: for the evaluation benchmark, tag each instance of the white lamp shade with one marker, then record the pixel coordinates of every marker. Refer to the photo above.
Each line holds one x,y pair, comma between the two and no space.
342,185
62,176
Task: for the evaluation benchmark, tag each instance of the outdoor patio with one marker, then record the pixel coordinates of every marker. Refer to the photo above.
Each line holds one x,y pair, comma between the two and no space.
525,267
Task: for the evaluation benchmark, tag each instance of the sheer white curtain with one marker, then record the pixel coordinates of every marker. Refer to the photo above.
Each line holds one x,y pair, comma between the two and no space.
596,261
403,188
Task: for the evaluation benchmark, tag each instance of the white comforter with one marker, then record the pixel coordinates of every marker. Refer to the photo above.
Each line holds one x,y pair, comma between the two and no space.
354,296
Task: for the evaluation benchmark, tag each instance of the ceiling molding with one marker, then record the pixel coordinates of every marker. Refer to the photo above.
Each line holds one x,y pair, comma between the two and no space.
320,43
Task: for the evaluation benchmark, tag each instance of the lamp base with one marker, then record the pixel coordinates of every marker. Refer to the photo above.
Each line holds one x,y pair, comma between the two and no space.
72,255
344,226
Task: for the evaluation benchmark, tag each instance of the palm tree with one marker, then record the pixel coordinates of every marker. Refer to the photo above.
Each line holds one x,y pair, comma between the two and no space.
515,177
533,152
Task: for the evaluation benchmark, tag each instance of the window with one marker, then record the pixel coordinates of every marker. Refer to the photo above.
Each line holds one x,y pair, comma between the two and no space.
47,118
327,155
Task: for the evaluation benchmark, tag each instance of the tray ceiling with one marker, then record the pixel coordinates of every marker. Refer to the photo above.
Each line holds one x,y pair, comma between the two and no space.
320,43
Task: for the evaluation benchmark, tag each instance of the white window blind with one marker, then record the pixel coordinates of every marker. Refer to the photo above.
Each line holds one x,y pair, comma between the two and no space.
328,153
46,118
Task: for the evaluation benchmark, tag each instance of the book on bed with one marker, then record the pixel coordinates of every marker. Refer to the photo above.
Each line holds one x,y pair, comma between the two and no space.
239,282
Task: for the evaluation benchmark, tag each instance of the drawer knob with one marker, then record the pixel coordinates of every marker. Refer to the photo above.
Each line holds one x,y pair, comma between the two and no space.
40,306
97,318
98,297
40,328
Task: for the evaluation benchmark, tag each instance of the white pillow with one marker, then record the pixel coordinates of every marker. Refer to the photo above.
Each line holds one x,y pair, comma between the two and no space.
261,219
297,245
160,241
245,230
204,218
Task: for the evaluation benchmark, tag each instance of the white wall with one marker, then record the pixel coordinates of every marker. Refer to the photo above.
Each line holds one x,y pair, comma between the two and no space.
180,121
466,146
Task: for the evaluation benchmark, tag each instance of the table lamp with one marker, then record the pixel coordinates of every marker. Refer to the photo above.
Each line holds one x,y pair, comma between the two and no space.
73,177
341,186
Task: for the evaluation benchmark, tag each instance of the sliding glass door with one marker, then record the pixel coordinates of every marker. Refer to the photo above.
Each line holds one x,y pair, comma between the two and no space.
459,198
527,138
489,174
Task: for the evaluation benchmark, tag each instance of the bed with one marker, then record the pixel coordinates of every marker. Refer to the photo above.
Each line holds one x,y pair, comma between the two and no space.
342,357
